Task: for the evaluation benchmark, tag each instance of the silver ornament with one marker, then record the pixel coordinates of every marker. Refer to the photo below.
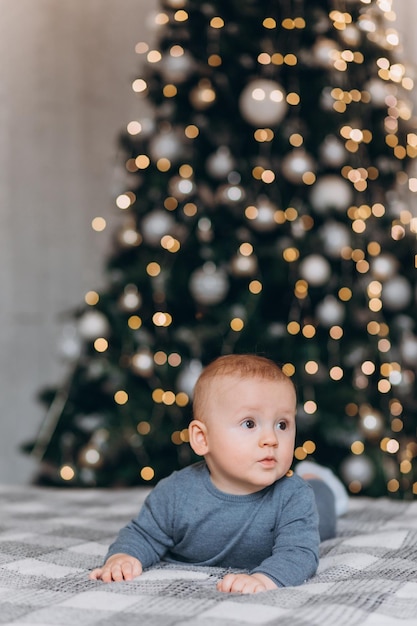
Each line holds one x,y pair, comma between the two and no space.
205,231
188,376
358,468
326,99
371,421
130,300
351,35
176,69
89,422
330,311
408,349
264,220
296,163
230,194
142,363
383,266
220,163
379,90
332,152
403,323
128,236
397,205
243,265
324,51
262,102
209,284
335,236
69,345
181,188
168,145
315,269
331,191
93,324
396,293
155,225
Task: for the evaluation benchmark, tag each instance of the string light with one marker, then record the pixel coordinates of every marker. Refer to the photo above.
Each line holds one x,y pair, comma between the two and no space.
67,472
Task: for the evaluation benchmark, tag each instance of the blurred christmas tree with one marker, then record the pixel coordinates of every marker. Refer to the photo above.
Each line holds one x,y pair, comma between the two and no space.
266,207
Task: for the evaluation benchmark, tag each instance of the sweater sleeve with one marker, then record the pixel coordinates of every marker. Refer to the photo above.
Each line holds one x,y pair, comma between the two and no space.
149,535
295,554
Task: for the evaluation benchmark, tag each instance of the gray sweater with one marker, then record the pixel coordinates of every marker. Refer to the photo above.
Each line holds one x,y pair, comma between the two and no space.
186,519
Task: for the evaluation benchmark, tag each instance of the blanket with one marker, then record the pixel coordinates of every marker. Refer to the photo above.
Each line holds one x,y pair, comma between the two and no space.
50,538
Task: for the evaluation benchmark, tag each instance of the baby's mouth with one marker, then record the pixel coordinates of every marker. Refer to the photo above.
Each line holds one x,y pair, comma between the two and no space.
268,460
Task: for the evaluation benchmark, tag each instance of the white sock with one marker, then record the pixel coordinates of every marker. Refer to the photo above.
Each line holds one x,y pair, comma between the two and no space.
339,491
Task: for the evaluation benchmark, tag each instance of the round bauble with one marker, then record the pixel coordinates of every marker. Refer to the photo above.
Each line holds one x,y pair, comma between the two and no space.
351,35
93,324
176,69
315,269
69,345
220,163
181,188
408,349
321,24
379,90
167,145
188,376
384,266
335,236
263,219
90,456
205,232
324,51
396,293
331,192
130,300
326,99
332,152
128,236
230,194
262,102
142,363
397,205
371,421
209,284
155,225
330,312
296,163
359,469
241,266
403,323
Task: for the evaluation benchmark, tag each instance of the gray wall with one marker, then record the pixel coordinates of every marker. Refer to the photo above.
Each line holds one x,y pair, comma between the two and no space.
65,73
65,93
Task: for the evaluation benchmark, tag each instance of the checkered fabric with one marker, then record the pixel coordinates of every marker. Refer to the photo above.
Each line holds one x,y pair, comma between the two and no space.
51,538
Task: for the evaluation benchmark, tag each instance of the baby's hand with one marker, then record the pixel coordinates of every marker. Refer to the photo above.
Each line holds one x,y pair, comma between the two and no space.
245,583
117,567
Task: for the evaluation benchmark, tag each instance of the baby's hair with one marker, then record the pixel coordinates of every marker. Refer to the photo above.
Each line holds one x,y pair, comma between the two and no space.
237,365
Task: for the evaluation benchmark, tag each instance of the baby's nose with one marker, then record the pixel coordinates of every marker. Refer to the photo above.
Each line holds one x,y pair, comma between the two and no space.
269,438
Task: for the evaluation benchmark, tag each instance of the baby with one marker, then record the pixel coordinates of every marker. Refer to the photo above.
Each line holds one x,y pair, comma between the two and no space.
241,507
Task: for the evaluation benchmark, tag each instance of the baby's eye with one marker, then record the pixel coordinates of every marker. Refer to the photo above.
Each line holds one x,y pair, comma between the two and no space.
249,424
282,425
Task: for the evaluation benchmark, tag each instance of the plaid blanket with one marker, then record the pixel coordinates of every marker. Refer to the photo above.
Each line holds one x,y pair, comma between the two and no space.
51,538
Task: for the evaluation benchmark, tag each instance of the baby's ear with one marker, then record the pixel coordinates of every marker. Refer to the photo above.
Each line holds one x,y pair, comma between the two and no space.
197,431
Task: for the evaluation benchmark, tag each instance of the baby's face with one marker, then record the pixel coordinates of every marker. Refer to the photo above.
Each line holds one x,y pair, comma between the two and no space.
250,432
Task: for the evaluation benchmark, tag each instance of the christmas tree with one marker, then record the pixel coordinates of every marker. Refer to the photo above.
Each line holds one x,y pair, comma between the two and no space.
266,206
